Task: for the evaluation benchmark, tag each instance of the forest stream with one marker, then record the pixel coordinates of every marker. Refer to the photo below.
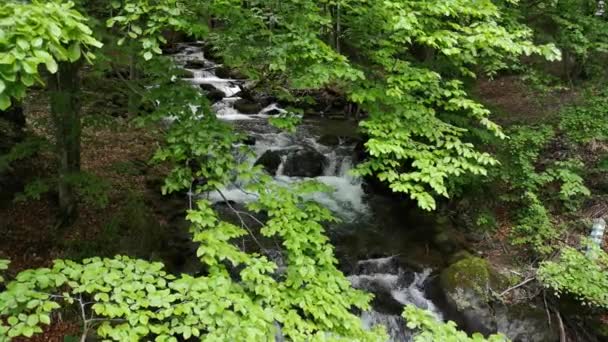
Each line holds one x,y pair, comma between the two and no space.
374,250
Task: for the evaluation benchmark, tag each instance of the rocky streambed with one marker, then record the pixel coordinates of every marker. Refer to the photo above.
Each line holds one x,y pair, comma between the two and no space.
385,245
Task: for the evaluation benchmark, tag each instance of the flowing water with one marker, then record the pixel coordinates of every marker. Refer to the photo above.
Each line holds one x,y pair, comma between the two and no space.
367,241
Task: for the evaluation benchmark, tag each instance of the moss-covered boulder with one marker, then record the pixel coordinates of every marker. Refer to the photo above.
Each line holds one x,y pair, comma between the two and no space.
468,286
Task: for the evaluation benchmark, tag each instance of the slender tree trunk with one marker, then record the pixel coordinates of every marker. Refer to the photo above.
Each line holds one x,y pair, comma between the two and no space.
338,28
64,88
134,98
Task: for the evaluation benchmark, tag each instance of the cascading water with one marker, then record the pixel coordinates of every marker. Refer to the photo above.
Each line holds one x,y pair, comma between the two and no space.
393,285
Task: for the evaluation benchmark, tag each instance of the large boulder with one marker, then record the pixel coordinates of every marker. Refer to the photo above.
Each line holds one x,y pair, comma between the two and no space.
246,106
525,323
213,94
271,160
196,64
184,73
467,285
228,73
305,163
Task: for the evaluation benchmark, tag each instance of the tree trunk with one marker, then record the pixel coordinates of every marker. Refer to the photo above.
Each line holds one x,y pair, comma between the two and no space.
134,98
64,88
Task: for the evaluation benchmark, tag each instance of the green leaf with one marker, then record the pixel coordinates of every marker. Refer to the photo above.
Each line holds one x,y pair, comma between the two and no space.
74,52
32,320
5,102
45,319
148,55
12,320
51,66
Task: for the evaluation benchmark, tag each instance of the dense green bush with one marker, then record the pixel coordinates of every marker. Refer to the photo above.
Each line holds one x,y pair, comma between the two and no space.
577,274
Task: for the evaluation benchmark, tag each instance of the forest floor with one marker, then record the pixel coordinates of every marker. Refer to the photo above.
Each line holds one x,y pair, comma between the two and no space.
116,151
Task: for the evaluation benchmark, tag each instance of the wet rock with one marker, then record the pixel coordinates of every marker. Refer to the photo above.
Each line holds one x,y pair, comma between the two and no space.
249,140
196,64
183,73
274,111
212,93
271,160
329,140
246,106
525,323
359,153
173,49
466,285
245,94
225,72
305,163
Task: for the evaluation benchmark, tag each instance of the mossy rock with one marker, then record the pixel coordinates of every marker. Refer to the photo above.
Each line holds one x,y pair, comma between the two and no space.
466,285
469,273
460,255
248,107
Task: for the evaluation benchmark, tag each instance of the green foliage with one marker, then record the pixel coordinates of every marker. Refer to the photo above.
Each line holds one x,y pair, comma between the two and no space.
242,295
573,26
20,151
286,121
587,121
3,267
429,329
486,221
520,155
38,33
532,189
576,274
534,226
90,188
133,299
146,21
413,146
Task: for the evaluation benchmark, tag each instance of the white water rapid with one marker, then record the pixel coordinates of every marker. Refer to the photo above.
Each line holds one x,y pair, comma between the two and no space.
393,286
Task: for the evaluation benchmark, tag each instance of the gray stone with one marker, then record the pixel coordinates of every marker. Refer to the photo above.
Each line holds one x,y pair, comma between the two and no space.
305,163
248,107
271,160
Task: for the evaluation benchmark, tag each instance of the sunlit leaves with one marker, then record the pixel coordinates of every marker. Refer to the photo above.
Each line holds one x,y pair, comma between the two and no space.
146,21
429,329
579,275
41,33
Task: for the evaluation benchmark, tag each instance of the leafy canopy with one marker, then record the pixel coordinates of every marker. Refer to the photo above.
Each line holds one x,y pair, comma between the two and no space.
403,70
38,33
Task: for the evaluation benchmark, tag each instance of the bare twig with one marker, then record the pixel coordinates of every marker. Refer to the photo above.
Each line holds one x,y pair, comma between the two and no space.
517,286
243,224
85,322
562,330
547,308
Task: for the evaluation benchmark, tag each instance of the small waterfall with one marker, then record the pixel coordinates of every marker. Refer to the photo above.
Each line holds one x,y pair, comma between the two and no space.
393,285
